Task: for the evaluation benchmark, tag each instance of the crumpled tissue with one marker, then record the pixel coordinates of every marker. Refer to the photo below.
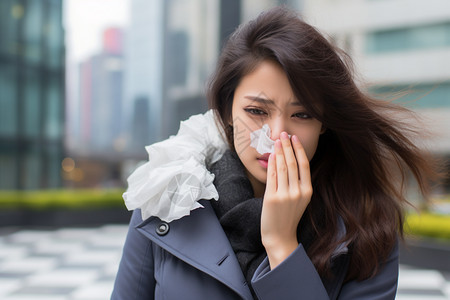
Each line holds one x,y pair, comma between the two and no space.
175,177
261,141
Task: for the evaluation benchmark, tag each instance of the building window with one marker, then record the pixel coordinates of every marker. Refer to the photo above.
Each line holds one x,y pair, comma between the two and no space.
8,171
8,103
53,128
33,166
412,38
33,33
54,35
32,106
418,96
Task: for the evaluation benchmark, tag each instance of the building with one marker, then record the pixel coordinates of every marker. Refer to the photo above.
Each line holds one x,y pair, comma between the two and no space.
31,94
101,94
143,69
172,48
195,31
192,35
397,45
95,147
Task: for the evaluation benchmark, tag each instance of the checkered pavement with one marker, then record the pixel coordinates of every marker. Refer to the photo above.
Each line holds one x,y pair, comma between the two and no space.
81,263
61,264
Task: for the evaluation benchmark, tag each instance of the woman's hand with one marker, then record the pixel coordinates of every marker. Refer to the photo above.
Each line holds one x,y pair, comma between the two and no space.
288,192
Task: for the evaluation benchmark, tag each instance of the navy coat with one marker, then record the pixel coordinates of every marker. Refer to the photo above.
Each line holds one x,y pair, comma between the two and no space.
191,258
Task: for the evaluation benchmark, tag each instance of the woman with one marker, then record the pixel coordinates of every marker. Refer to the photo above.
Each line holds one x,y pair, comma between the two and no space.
317,216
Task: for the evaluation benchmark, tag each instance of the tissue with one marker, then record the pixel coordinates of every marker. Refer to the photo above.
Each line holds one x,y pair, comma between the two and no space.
261,141
173,180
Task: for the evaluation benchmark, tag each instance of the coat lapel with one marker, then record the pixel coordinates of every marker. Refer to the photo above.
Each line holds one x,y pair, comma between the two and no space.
199,240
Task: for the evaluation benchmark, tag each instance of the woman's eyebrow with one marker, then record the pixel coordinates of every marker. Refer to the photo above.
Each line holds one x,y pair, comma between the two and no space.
260,100
296,103
270,102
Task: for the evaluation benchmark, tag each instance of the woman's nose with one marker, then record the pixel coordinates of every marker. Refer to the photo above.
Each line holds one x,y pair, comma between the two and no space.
276,128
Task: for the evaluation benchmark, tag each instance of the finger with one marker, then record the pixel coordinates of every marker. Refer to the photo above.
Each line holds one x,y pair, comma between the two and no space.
282,181
291,161
271,182
303,164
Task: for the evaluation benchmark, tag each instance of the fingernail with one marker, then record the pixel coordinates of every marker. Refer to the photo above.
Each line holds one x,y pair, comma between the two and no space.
295,139
284,135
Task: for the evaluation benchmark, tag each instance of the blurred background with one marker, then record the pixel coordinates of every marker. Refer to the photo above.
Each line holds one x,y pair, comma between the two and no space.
86,84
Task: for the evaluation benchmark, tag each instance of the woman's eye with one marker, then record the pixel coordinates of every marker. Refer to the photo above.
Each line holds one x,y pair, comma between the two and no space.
255,111
302,115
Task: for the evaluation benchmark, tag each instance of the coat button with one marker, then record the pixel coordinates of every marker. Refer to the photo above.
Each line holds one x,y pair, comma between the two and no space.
162,229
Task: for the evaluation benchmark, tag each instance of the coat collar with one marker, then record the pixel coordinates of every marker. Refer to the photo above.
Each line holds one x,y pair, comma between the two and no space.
200,241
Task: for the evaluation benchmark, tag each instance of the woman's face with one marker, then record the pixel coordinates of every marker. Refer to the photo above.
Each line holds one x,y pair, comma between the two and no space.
264,96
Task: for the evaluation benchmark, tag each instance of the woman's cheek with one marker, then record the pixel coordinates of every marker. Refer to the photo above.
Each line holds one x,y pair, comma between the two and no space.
241,140
242,130
309,143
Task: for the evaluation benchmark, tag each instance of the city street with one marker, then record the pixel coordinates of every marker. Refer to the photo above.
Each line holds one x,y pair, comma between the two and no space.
81,263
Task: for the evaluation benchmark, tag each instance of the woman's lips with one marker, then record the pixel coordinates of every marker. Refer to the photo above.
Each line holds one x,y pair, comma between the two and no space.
264,160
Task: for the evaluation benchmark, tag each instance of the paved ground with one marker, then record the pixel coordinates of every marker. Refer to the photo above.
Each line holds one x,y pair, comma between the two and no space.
81,263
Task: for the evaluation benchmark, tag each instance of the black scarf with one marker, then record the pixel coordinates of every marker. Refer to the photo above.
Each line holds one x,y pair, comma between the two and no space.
239,212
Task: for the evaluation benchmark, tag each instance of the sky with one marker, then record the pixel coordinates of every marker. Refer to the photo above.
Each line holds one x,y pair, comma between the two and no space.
84,22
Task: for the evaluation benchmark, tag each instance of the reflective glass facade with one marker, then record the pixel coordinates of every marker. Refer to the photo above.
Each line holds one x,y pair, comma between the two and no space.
420,95
31,93
402,39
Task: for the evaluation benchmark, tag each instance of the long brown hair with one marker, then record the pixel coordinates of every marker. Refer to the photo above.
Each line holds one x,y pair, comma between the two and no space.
359,157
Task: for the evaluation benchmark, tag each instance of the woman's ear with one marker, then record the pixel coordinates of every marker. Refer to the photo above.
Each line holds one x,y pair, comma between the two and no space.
323,129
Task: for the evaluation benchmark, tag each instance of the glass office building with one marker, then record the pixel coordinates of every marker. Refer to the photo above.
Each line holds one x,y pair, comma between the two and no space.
31,93
411,39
